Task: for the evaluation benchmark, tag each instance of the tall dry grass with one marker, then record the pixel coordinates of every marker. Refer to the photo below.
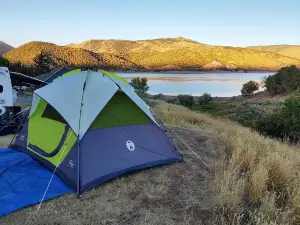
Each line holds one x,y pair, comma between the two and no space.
257,180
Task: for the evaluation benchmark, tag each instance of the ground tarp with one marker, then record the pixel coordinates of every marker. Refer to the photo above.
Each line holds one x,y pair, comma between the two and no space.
23,181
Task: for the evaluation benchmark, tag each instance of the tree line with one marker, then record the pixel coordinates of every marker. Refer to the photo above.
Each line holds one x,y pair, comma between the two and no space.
43,63
287,79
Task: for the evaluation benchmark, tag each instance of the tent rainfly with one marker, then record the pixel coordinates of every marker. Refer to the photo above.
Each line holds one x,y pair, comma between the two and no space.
92,127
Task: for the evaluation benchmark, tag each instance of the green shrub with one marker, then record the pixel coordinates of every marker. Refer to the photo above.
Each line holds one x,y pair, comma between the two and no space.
247,115
159,97
205,99
249,88
171,100
283,123
186,100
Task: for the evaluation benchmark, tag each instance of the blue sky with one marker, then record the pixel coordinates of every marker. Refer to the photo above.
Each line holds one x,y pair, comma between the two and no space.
216,22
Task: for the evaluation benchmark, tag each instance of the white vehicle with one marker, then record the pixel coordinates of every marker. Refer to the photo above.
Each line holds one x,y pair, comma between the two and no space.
8,98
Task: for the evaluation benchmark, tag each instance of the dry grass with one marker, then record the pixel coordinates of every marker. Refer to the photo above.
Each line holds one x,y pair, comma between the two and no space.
257,180
171,194
251,180
5,140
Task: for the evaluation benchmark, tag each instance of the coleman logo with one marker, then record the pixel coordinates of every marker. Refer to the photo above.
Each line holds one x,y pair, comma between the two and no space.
130,145
71,164
2,110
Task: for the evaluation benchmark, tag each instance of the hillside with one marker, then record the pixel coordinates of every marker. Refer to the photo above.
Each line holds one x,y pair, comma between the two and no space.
66,56
126,46
211,57
168,53
5,47
287,50
182,53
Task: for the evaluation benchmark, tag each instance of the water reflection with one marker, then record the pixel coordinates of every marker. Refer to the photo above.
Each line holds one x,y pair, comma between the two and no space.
218,84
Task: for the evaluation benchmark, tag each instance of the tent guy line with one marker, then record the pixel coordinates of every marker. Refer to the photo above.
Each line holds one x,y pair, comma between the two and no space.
178,136
53,173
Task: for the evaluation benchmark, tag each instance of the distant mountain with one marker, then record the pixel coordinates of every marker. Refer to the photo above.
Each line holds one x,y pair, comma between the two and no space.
164,53
5,47
287,50
212,57
126,46
66,56
182,53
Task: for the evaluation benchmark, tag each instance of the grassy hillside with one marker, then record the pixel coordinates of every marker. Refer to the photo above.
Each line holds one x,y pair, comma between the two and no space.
211,57
66,56
177,53
126,46
168,53
5,47
257,179
287,50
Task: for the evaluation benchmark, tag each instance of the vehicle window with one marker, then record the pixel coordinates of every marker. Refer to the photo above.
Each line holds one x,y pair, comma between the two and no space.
1,88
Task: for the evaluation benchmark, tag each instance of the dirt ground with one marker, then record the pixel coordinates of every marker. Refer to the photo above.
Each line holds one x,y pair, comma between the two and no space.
171,194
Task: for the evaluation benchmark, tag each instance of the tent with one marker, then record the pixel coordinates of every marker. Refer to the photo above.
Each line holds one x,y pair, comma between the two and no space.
90,127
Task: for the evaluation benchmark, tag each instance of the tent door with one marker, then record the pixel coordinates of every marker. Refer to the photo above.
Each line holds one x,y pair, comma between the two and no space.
56,150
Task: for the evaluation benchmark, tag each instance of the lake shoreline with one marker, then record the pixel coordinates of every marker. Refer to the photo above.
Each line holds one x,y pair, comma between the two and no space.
191,71
223,84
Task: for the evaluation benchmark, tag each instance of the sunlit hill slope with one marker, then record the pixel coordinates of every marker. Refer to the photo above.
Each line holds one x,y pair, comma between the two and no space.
66,56
164,53
287,50
177,53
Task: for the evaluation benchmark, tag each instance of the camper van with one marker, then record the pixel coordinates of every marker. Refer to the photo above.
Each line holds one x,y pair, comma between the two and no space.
8,97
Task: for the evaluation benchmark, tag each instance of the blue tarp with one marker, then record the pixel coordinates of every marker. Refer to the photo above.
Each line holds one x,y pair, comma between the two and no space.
23,181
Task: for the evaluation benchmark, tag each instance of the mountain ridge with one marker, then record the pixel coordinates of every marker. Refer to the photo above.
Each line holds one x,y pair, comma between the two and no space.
156,54
4,47
115,45
66,56
283,49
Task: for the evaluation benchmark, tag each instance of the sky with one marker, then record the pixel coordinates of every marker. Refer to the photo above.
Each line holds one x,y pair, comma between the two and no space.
215,22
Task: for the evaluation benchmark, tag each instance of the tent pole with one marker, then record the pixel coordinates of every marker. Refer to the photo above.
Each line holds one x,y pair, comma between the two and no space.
78,168
78,140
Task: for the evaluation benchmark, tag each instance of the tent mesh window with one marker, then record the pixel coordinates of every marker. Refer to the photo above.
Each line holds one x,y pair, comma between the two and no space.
120,111
52,114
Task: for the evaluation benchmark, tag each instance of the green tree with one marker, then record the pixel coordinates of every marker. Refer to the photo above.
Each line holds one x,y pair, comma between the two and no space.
186,100
44,61
285,80
249,88
140,86
4,62
205,99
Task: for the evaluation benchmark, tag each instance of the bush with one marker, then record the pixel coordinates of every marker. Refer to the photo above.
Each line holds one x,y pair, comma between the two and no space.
249,88
159,97
172,100
186,100
284,123
205,99
247,115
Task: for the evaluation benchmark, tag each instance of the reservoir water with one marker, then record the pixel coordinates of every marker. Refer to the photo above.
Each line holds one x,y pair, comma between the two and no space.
222,84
